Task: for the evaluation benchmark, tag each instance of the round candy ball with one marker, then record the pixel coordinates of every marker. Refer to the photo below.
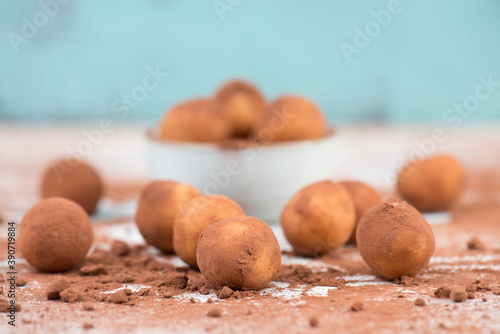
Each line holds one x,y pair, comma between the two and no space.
55,235
394,239
159,204
364,197
201,120
432,184
290,118
194,217
74,180
243,103
319,218
240,252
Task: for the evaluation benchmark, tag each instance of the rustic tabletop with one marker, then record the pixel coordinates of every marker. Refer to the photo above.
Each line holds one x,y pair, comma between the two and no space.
310,294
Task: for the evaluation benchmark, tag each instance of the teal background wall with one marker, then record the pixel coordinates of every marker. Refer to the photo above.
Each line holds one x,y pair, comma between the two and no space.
82,60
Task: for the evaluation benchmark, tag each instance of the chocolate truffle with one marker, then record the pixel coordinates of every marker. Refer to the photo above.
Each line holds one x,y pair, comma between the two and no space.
290,118
74,180
319,218
364,197
240,252
55,234
394,239
200,120
243,103
159,204
432,184
194,217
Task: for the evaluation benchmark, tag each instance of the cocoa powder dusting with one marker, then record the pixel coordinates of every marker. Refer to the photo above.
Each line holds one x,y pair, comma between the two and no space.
476,244
5,306
442,292
119,297
93,270
214,313
125,287
88,325
419,302
458,294
225,293
88,306
54,290
313,321
21,281
357,306
119,248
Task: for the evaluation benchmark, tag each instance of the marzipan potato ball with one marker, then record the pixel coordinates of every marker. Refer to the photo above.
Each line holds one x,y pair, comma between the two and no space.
200,120
159,204
194,217
243,103
290,118
74,180
240,252
432,184
319,218
364,197
394,239
55,235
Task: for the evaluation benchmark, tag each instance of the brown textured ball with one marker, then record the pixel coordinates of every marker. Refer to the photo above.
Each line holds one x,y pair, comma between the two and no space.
243,103
432,184
240,252
55,234
74,180
290,118
194,217
319,218
201,120
364,197
394,239
159,204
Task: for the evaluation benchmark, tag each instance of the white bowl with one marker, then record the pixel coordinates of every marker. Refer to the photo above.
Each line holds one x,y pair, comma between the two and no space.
261,179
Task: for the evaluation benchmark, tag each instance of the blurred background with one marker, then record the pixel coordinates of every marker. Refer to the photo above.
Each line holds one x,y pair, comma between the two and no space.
360,61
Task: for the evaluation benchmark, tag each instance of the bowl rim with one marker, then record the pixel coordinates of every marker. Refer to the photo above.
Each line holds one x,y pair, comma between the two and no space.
152,137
